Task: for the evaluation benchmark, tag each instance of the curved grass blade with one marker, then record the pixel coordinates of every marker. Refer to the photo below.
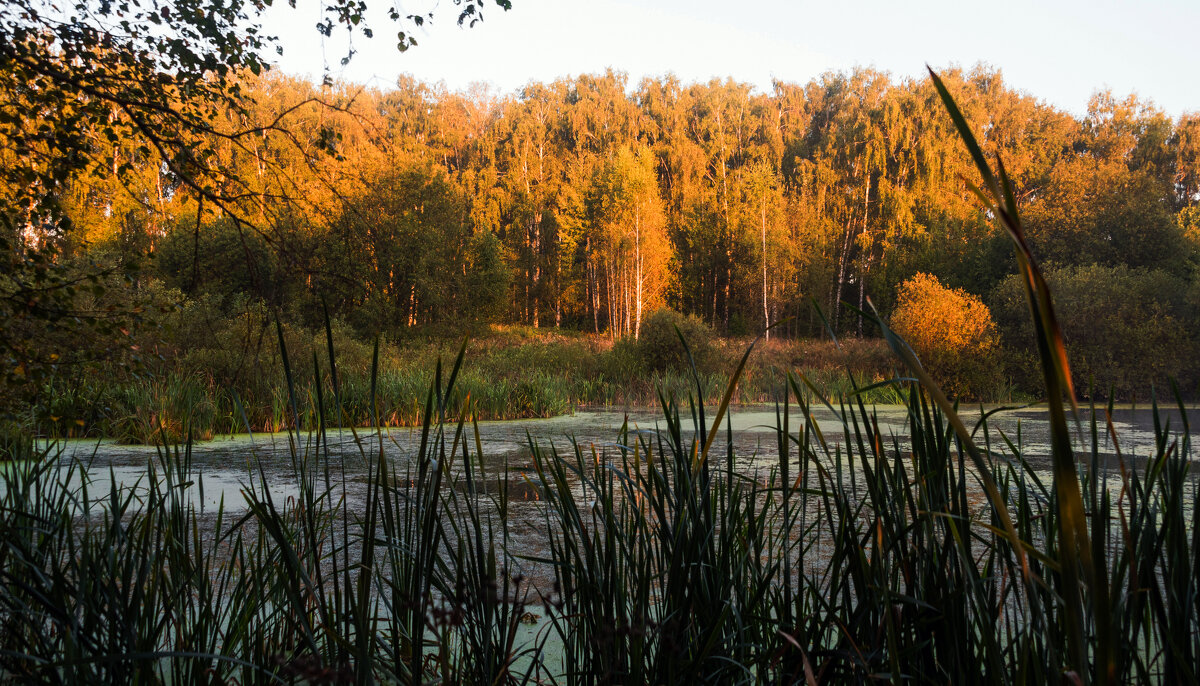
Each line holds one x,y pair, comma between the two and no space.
1075,549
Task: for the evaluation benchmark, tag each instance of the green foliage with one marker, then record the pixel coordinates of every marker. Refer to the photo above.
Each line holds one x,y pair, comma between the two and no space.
114,117
16,443
60,316
849,562
403,255
488,279
1081,573
1103,213
571,201
1126,329
224,259
204,359
1188,220
661,350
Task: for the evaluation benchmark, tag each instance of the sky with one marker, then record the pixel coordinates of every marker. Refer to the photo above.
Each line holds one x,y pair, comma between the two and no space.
1060,51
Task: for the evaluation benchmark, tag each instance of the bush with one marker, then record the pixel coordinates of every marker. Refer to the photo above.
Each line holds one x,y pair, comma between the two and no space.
1125,328
953,334
659,345
16,443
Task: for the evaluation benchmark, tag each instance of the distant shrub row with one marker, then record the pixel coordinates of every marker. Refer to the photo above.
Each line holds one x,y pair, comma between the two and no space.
1126,330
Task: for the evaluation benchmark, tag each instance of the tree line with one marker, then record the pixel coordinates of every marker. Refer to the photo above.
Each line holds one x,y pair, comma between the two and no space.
590,201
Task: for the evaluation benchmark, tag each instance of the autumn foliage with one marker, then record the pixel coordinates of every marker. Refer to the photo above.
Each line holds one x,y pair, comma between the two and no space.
951,331
588,203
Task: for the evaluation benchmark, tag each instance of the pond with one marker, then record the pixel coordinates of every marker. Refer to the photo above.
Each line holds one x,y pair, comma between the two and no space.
228,463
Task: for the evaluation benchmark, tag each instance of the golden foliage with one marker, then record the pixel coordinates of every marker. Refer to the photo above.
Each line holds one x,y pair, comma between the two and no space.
952,332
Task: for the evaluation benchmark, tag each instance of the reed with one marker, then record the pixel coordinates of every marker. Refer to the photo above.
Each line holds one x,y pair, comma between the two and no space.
509,378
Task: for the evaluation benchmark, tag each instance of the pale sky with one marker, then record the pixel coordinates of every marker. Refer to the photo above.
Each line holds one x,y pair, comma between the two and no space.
1060,51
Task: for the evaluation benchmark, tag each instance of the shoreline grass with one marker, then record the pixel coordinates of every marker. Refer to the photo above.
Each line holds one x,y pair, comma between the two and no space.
512,377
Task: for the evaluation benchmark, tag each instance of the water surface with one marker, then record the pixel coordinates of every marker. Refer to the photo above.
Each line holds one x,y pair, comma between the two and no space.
225,465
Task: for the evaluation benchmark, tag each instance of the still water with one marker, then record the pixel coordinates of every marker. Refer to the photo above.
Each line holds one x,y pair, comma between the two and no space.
227,464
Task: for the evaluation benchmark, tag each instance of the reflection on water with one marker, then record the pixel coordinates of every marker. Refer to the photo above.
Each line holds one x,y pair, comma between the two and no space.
225,465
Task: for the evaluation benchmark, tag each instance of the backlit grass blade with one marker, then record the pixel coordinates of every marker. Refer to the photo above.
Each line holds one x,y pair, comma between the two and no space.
1075,549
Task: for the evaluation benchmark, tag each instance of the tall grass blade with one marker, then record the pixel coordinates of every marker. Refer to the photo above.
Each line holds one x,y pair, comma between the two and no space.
1075,553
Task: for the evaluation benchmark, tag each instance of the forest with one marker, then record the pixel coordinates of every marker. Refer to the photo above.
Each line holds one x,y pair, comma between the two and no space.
581,207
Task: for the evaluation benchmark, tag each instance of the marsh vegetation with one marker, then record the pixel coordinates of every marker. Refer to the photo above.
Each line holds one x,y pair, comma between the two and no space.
825,544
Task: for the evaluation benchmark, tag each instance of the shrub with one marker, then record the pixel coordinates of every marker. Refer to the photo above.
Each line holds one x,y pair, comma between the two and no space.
952,332
1125,329
623,363
15,442
659,345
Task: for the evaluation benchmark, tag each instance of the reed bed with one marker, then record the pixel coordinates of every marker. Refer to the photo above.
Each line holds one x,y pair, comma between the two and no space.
139,410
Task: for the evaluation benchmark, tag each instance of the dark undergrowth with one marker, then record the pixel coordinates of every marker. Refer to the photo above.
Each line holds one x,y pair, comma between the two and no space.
514,374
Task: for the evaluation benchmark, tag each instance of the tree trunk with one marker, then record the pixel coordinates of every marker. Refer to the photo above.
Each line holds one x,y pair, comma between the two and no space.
592,295
862,277
637,251
612,304
536,242
728,281
713,318
766,312
625,299
843,259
